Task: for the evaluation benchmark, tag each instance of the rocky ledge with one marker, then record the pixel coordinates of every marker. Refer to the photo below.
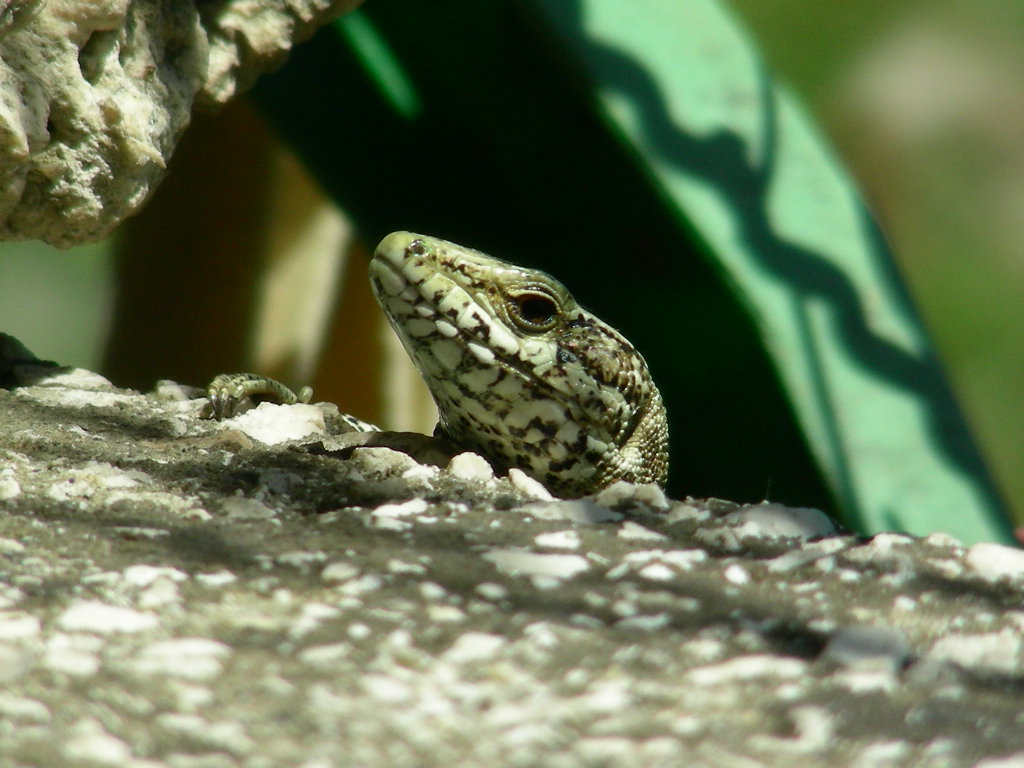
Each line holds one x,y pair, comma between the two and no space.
94,95
271,591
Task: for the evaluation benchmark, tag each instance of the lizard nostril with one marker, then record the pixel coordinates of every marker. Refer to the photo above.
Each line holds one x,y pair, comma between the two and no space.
417,247
564,356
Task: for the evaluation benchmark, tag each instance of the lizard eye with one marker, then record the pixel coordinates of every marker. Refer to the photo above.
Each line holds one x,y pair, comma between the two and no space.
534,311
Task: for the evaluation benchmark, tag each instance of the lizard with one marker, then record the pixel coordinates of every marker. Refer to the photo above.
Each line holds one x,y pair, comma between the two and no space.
520,372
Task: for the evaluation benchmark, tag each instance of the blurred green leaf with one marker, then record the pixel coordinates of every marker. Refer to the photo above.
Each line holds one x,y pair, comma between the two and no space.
744,167
625,147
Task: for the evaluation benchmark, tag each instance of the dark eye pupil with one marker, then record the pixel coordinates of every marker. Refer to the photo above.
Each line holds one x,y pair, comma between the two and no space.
537,309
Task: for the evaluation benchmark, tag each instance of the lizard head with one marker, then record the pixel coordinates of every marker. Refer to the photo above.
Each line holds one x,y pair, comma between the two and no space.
519,371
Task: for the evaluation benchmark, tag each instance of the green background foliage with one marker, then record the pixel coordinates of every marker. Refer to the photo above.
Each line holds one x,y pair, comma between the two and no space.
643,154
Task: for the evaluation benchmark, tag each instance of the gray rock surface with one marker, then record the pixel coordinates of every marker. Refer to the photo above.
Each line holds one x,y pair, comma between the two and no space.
94,94
176,592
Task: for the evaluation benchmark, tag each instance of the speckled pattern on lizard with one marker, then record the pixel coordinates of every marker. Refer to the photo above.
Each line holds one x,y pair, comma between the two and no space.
520,373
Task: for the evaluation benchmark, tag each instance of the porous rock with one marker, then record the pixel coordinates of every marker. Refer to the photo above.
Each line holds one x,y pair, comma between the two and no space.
94,95
297,606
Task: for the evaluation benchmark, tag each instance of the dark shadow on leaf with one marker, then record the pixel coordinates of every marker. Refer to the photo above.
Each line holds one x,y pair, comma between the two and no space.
721,160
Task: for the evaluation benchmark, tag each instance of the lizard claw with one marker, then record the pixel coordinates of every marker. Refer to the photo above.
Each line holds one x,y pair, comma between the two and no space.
228,391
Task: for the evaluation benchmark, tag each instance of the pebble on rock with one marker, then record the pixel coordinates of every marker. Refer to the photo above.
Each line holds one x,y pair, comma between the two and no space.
881,648
523,483
470,466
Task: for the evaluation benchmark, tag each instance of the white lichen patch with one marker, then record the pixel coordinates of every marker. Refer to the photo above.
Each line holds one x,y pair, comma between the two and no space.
99,618
241,508
273,424
574,511
681,559
474,648
190,658
201,734
402,509
645,623
630,531
216,579
10,488
76,655
990,652
521,562
174,503
558,540
92,479
657,572
18,626
775,521
59,396
747,668
736,574
23,710
995,562
620,494
378,462
11,547
90,744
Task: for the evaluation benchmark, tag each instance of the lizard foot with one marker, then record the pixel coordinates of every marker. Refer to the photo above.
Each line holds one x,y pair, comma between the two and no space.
228,391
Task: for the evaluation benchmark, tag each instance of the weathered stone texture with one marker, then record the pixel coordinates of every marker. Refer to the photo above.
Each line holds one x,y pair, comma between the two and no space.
94,94
178,592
